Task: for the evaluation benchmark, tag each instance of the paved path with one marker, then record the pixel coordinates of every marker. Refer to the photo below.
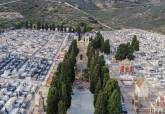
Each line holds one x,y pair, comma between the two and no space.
82,102
82,98
124,90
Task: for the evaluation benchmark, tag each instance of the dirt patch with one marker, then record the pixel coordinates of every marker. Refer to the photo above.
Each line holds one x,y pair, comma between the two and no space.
10,15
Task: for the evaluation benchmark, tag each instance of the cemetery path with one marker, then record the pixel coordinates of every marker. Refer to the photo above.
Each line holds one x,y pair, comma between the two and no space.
82,98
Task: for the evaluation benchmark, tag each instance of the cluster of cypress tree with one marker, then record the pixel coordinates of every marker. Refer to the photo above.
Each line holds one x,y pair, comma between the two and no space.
82,28
106,90
59,96
127,50
39,25
99,43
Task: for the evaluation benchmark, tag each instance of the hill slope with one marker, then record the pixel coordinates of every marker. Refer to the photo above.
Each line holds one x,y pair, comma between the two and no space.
143,14
45,11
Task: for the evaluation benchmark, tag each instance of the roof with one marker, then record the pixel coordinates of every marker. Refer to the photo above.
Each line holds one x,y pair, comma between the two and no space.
139,83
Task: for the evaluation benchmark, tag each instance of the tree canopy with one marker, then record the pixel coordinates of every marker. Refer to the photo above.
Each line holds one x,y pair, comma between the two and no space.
106,90
126,50
59,96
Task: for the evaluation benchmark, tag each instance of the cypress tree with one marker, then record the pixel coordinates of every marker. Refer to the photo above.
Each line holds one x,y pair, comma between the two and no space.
27,25
59,96
98,88
38,25
52,101
114,103
101,104
135,43
106,47
94,77
61,107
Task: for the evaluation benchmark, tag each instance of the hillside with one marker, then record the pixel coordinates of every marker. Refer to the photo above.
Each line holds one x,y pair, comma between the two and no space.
45,11
143,14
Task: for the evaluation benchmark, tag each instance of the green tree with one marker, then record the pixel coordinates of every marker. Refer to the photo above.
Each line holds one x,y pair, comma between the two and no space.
97,41
18,25
135,43
110,86
114,103
54,27
27,25
59,96
46,26
102,45
70,29
65,94
101,60
61,107
52,101
101,104
124,51
79,34
30,25
38,25
130,52
58,27
106,47
98,88
42,26
94,77
62,28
